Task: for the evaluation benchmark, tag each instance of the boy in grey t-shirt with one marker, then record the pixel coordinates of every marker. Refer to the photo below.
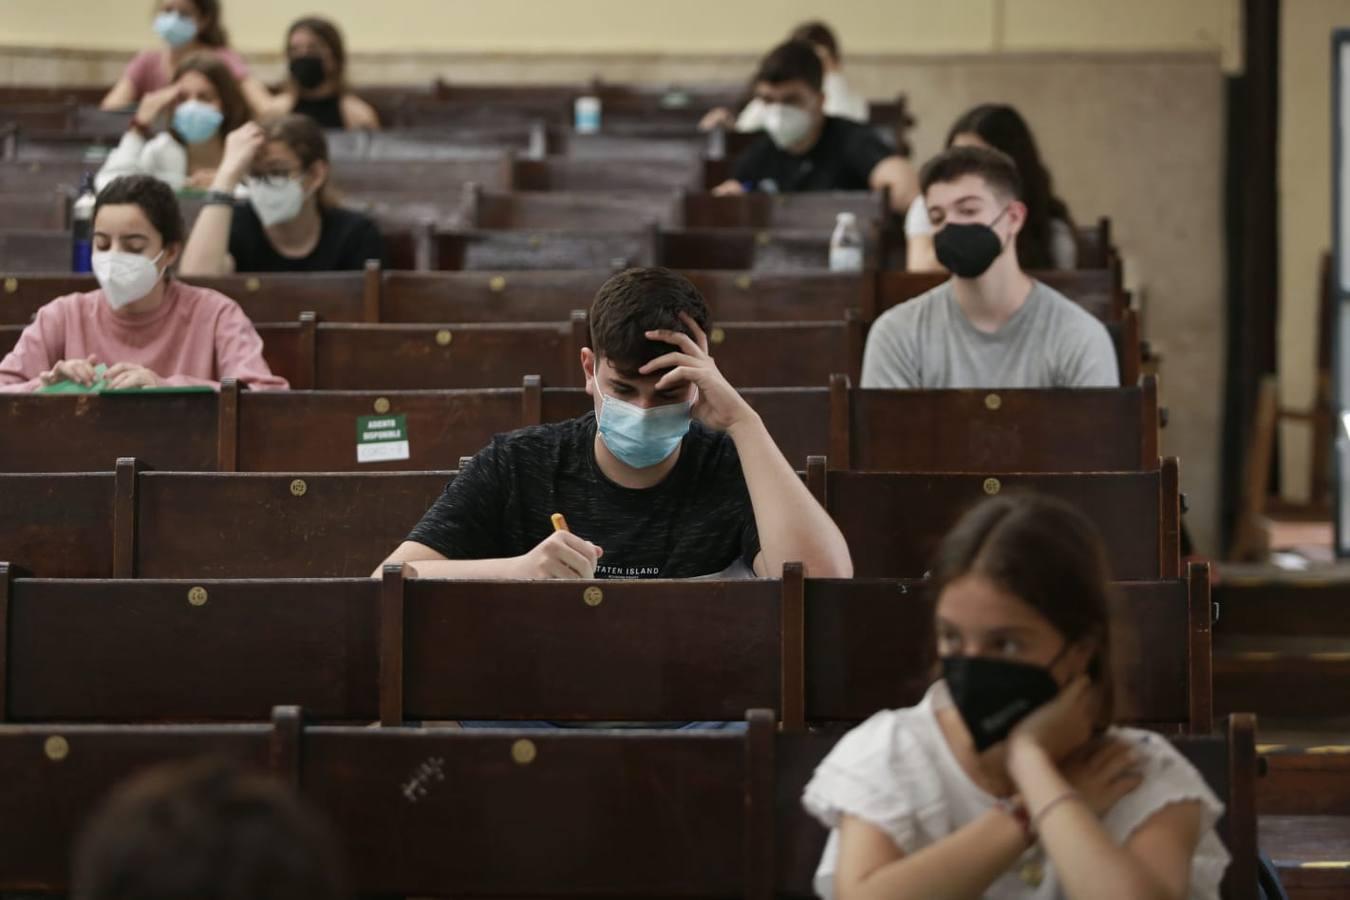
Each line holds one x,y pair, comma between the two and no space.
990,326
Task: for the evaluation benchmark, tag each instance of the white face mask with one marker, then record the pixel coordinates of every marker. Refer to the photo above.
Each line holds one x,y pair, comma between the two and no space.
276,203
124,277
786,125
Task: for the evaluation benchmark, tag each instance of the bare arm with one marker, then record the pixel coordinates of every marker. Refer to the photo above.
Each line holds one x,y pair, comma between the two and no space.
561,555
962,865
897,174
257,95
1154,865
358,115
208,246
122,95
792,525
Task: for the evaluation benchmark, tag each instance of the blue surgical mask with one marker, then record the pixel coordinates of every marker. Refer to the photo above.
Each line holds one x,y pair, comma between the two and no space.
639,437
196,121
175,29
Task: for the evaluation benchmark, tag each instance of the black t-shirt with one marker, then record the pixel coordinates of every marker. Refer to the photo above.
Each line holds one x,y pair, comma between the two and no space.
346,240
696,522
325,111
841,160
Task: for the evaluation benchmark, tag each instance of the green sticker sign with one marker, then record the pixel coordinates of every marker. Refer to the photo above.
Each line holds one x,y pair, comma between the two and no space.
381,438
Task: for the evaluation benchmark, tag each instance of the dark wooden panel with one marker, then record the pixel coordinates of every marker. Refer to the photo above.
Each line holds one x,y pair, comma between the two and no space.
607,174
413,357
435,812
648,651
786,354
87,433
35,250
774,296
893,521
1002,431
145,651
601,210
517,296
276,526
58,526
45,803
815,210
316,431
524,250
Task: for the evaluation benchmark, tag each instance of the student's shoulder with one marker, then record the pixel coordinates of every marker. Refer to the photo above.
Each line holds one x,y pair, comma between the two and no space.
911,313
1068,314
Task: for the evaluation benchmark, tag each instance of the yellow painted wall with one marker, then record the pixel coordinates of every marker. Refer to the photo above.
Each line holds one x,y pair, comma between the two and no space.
1305,208
864,26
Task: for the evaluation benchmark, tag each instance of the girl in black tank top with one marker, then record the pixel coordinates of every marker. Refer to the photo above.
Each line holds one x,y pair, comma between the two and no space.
318,77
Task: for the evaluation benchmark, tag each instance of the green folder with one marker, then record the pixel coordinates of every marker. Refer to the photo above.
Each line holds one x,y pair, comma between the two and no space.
101,387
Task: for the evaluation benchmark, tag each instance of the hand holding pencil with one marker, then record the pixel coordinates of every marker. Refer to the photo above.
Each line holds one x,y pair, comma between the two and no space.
561,555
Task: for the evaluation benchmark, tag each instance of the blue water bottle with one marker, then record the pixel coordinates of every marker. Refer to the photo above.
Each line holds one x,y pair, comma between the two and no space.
82,226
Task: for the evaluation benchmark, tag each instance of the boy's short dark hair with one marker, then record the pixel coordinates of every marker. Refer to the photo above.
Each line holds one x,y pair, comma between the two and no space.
818,33
995,167
202,829
155,198
793,60
636,301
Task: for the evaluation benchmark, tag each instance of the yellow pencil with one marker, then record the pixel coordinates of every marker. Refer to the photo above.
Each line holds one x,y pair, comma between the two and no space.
559,523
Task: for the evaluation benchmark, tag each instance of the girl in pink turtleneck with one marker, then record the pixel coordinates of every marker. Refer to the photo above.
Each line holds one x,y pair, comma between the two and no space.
147,328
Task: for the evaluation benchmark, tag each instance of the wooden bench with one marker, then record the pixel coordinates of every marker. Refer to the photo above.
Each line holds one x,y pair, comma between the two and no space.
607,174
829,651
314,431
46,210
576,249
550,296
1078,430
777,250
868,430
431,811
602,210
134,523
340,356
893,521
35,250
814,210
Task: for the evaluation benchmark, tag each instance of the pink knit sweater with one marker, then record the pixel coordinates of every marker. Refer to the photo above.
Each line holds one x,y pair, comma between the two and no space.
196,337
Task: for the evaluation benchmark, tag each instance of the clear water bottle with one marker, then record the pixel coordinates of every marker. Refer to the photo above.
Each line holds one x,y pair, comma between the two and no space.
82,226
586,115
846,244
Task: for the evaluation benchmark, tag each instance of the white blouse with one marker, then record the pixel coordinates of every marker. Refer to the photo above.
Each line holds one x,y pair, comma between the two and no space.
896,772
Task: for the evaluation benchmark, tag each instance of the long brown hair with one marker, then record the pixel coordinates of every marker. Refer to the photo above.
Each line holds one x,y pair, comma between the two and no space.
327,32
1048,555
232,103
305,138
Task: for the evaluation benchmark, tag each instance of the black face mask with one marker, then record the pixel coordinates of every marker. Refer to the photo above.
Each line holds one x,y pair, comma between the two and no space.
993,695
967,250
308,71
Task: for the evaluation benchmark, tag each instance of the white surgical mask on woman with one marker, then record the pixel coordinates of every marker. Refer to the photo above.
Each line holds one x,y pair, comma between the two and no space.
276,203
124,277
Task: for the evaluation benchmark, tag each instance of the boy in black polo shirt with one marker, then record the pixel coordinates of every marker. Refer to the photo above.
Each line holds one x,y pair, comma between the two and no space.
802,149
672,476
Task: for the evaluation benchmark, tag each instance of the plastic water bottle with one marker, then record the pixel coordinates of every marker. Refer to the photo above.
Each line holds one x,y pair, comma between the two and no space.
846,244
82,226
586,112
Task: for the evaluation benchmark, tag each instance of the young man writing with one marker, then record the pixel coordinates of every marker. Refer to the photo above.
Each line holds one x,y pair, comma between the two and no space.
803,149
672,476
990,325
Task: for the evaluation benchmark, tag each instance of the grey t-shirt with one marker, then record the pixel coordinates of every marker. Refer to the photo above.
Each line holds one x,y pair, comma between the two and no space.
927,342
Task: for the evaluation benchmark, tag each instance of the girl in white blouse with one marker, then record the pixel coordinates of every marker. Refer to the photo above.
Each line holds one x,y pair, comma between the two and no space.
1006,781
